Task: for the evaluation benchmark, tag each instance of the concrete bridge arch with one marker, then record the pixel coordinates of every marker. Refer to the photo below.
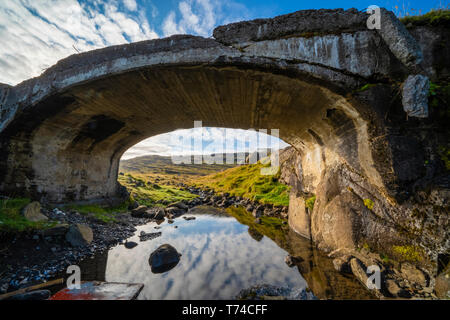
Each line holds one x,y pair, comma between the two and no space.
322,77
63,133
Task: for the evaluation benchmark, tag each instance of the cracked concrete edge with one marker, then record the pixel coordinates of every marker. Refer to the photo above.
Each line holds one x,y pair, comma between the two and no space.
401,43
323,21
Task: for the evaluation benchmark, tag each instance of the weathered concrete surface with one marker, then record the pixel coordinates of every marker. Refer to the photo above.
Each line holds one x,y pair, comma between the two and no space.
432,41
62,134
300,23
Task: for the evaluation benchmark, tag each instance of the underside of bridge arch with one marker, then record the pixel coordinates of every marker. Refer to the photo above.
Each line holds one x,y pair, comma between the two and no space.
69,147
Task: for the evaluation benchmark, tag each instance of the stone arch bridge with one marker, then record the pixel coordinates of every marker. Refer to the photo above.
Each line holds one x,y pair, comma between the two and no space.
322,77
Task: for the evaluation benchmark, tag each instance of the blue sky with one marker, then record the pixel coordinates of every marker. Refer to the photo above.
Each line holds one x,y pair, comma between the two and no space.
35,34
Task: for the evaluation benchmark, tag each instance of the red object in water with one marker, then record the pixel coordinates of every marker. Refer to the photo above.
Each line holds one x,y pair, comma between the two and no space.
97,290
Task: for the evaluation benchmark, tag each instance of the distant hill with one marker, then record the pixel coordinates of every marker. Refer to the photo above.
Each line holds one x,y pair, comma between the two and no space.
162,165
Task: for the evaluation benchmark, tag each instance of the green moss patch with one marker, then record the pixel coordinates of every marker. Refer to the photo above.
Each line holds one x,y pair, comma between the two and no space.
11,219
246,181
433,18
309,203
149,193
409,253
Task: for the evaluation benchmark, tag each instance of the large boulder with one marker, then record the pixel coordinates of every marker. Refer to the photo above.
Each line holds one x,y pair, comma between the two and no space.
79,235
32,212
139,212
164,259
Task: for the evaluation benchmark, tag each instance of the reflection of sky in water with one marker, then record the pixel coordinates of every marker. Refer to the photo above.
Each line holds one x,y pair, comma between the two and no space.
219,258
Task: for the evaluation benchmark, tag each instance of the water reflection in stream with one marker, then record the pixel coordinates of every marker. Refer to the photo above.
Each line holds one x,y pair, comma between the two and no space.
220,256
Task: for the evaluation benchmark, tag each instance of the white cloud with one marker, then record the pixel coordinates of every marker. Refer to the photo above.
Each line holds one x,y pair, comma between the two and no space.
179,142
36,34
202,16
170,26
130,5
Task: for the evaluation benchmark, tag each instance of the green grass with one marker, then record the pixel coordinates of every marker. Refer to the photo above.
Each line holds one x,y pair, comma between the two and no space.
439,17
366,87
246,181
309,203
149,194
105,214
11,219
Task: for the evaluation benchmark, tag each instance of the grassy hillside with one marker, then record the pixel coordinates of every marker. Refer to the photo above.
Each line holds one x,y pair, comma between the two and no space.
148,193
152,179
161,170
246,181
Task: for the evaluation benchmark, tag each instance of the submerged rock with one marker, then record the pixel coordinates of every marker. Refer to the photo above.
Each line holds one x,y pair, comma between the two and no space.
130,244
143,236
292,261
341,264
164,259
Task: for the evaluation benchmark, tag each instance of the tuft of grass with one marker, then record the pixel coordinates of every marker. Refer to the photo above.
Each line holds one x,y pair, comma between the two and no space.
149,194
444,154
246,181
102,213
366,87
439,17
12,221
309,203
368,203
409,252
385,258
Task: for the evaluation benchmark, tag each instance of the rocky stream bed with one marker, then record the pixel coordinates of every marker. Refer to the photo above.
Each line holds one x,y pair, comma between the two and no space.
33,258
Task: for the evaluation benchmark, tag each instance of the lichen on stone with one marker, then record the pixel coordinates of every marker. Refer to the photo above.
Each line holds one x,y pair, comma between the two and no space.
368,203
409,253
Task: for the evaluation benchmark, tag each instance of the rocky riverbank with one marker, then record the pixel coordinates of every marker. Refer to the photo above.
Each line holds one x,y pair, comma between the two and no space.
34,257
39,256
